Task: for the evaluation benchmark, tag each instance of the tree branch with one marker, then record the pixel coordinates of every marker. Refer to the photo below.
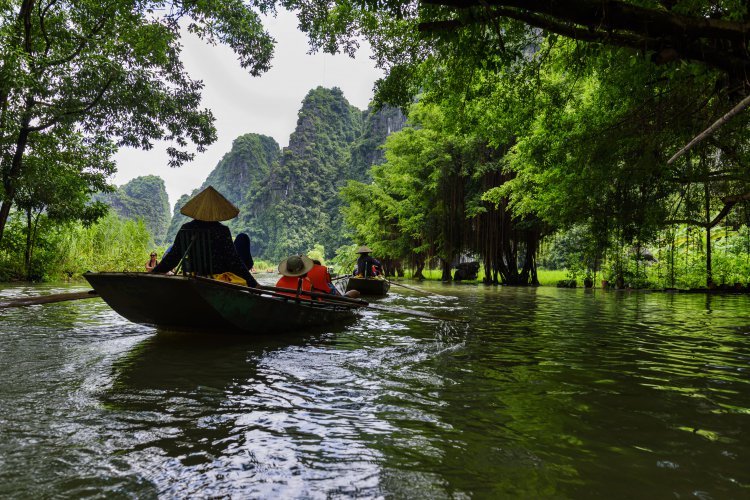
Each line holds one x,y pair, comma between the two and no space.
710,130
85,109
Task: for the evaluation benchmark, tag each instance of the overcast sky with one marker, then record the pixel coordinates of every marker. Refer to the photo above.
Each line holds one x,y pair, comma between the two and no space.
266,105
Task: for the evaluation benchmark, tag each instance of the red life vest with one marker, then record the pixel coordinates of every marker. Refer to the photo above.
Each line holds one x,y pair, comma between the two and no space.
320,279
292,282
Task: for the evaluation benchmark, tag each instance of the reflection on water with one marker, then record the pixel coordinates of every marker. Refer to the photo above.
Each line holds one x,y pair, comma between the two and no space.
548,392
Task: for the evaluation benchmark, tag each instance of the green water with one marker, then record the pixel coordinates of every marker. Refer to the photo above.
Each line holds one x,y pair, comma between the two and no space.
547,393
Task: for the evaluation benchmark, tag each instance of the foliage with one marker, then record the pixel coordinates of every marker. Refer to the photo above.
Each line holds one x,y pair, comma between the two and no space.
426,201
69,249
237,176
296,205
109,72
145,198
318,252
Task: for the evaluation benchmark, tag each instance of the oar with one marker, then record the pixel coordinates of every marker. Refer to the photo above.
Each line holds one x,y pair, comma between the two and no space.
340,277
276,292
412,312
362,303
48,299
415,289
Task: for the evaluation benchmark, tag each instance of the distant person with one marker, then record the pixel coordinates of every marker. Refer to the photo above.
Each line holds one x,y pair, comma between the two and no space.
242,245
367,266
293,272
152,262
207,208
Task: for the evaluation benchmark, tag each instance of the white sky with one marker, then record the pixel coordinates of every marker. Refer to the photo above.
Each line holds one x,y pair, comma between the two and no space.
240,103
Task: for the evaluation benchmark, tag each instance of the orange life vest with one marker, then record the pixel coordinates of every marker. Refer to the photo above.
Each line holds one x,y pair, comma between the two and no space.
293,282
320,279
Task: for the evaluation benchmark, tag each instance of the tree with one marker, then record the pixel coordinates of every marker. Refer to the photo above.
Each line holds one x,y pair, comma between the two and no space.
111,70
404,34
57,185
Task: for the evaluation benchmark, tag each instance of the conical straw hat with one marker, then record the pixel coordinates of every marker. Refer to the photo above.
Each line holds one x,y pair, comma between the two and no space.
295,265
209,205
364,249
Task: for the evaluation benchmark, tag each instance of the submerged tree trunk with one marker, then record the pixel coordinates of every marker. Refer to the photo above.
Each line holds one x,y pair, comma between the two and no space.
418,269
446,267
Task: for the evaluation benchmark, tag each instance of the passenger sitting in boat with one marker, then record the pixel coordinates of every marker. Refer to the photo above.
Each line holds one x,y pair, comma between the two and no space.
204,244
321,279
242,244
294,271
367,266
322,283
152,262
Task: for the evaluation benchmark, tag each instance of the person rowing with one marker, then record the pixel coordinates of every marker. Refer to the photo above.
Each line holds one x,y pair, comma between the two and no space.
367,266
204,246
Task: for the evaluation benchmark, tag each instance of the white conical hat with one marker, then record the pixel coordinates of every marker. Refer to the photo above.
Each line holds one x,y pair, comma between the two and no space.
209,205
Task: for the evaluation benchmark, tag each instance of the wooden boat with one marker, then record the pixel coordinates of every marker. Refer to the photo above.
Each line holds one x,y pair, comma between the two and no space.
156,300
369,286
188,303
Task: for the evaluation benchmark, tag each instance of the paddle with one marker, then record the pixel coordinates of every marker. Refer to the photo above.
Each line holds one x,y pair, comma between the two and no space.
414,288
362,303
274,291
47,299
412,312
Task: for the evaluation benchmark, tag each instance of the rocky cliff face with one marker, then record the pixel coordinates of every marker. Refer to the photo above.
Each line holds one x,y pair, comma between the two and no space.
289,200
143,197
239,173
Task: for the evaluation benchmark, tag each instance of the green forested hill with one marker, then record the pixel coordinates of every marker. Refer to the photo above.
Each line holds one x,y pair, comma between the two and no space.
366,150
298,205
289,201
143,197
239,172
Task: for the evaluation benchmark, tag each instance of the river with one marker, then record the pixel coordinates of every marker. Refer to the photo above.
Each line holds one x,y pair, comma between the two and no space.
546,393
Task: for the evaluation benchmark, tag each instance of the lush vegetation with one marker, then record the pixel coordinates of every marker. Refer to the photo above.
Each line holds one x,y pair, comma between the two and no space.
537,135
533,119
289,201
142,198
65,251
238,176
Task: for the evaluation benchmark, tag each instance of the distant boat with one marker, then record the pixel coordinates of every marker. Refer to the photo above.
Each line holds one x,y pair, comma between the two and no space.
187,303
369,286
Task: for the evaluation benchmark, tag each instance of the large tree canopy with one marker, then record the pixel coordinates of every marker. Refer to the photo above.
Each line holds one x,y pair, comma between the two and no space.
111,70
412,38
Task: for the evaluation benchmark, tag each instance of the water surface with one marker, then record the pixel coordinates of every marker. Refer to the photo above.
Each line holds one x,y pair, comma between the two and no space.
547,393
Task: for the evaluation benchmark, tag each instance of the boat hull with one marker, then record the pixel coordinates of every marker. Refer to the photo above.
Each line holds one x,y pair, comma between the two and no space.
248,311
368,286
156,300
183,303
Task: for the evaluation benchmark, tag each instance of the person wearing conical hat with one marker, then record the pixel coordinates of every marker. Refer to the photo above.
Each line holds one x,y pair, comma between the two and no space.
207,209
293,271
367,266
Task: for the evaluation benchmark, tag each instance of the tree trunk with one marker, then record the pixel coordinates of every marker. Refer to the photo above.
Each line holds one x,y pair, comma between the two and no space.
27,251
446,266
418,270
671,258
709,274
11,176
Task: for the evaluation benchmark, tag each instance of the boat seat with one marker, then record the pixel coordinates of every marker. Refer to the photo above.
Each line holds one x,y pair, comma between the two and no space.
196,260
